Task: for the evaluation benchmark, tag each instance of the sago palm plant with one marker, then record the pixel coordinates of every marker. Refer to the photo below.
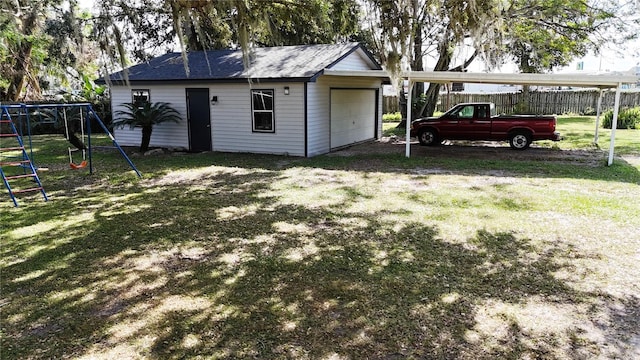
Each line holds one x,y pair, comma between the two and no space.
145,115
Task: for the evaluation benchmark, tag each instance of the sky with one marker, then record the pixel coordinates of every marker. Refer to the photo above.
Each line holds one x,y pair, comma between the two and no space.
621,60
609,60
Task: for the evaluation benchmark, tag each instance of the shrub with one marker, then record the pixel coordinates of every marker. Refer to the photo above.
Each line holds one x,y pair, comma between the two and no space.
392,117
146,115
627,118
589,111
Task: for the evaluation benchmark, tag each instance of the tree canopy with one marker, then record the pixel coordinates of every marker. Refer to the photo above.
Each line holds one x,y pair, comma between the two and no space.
545,34
44,43
538,35
143,29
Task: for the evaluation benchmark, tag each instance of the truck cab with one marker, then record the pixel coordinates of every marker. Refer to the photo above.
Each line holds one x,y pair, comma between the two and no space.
472,111
470,121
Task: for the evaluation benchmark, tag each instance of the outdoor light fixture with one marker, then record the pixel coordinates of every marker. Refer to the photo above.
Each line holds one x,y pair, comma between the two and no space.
286,90
214,100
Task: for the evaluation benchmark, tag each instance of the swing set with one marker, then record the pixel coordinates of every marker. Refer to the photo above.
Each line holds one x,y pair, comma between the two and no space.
83,164
51,113
17,119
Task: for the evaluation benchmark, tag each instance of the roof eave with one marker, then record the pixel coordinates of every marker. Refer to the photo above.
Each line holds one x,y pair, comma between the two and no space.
578,80
443,77
208,81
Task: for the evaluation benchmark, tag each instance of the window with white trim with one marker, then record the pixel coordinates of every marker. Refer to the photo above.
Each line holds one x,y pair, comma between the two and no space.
139,97
262,110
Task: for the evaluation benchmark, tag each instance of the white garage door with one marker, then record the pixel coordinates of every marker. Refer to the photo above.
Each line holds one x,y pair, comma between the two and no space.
353,116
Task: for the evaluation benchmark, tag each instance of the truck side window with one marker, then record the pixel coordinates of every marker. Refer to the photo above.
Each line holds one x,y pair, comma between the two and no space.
466,112
481,112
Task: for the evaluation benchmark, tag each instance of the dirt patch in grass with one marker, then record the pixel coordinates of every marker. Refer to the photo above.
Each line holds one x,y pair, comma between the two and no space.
632,160
485,150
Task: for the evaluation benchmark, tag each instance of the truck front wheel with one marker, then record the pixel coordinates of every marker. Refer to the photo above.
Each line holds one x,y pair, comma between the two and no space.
520,140
428,137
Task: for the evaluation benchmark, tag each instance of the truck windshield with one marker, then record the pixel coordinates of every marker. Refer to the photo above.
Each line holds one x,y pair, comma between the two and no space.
493,109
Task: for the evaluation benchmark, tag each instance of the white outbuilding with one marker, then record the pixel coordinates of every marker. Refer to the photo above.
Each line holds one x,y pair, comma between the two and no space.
282,103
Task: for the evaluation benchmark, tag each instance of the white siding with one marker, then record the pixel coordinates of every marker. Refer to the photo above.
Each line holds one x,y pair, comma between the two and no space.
232,123
354,61
319,109
163,135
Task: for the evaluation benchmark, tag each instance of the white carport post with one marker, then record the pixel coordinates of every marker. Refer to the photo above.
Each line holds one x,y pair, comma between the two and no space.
598,113
614,124
409,117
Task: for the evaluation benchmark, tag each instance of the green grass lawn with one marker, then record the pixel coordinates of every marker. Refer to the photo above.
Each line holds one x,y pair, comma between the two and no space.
372,256
579,133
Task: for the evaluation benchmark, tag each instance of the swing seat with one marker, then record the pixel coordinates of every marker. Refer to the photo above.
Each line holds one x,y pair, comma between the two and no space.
78,166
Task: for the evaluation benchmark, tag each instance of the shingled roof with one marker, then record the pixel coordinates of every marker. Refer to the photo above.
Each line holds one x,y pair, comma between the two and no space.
290,63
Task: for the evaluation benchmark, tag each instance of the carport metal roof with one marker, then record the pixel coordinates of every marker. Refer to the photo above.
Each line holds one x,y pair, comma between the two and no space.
443,77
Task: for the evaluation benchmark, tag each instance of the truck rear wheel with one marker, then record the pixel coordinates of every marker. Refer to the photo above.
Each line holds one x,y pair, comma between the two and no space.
428,137
520,140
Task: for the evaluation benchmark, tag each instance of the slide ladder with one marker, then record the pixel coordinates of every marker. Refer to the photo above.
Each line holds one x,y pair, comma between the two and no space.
16,168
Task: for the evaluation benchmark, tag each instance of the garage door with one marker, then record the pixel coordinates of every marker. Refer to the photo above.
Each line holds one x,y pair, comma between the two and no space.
353,116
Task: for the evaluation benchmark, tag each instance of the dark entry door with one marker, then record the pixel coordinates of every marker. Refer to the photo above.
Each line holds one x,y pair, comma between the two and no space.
199,118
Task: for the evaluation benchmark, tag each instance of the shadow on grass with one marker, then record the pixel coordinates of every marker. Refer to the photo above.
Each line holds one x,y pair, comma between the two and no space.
455,159
373,157
244,276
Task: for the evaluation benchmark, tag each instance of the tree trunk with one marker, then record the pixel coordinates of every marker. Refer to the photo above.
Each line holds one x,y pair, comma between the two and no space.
431,96
431,100
76,141
525,66
146,138
19,73
402,105
443,64
417,64
22,60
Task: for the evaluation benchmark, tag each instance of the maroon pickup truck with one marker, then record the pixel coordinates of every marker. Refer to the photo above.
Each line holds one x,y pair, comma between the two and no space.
478,121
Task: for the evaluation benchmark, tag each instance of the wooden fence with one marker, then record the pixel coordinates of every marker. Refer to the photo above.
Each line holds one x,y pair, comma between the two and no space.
539,102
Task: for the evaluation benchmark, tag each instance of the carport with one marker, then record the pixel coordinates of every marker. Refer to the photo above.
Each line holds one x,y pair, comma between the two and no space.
601,82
